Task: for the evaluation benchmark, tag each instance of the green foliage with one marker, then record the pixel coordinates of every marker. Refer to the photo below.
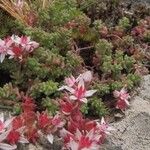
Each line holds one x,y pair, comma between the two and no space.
34,68
8,92
128,63
17,109
44,88
98,24
72,61
49,40
85,109
66,9
50,106
6,24
106,66
97,107
132,80
127,41
103,47
147,36
102,89
116,85
124,23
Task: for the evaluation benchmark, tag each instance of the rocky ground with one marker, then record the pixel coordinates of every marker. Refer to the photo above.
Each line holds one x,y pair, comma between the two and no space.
133,132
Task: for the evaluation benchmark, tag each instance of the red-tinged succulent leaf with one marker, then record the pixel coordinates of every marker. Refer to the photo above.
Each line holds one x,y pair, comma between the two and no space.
13,137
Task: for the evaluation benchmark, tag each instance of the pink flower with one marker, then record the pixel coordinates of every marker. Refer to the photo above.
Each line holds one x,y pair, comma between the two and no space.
27,44
66,107
4,124
80,93
15,39
66,135
44,120
50,138
86,76
104,129
57,121
17,122
77,122
21,46
122,98
15,52
4,47
122,94
16,47
81,141
122,104
70,81
4,146
13,137
84,134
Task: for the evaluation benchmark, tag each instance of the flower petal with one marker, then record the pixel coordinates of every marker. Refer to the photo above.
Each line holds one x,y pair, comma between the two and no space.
23,140
81,84
71,90
84,100
90,93
127,102
72,145
5,146
111,129
2,57
8,122
116,94
78,134
4,135
2,117
87,76
10,52
123,90
50,138
103,121
72,97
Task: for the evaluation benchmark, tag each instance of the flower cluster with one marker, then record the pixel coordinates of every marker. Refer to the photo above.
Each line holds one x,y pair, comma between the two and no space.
77,132
80,133
76,87
16,47
85,135
122,98
28,126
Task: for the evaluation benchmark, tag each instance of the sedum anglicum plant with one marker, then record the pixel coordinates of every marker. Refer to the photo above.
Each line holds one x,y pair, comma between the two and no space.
69,123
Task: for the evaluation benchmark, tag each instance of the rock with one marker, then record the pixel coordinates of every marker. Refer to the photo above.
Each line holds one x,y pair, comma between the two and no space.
133,132
144,91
